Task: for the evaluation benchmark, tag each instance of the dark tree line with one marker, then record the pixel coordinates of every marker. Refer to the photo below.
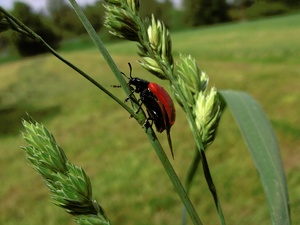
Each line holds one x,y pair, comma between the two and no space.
25,45
61,23
203,12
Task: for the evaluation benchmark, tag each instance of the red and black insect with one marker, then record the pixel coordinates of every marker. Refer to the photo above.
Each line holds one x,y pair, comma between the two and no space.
158,103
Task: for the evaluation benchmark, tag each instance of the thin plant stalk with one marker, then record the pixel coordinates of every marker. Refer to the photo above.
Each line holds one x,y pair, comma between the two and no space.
149,131
190,176
212,187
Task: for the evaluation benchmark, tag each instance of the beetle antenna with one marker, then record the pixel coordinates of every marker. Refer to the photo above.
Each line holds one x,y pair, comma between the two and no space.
130,68
124,75
130,72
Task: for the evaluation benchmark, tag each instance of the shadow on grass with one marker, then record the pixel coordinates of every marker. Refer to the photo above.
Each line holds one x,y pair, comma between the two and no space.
11,116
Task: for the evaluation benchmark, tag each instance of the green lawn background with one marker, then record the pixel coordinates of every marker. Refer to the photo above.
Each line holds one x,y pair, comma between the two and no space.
260,57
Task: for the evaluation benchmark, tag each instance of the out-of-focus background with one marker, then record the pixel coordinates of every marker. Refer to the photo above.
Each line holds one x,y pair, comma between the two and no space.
246,45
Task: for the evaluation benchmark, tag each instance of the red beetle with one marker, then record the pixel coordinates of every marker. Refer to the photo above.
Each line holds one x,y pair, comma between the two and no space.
159,105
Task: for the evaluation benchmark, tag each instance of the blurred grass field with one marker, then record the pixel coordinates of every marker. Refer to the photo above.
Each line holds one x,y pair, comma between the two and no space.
260,57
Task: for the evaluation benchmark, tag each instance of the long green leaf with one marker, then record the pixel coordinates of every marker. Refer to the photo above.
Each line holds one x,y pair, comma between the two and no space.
262,144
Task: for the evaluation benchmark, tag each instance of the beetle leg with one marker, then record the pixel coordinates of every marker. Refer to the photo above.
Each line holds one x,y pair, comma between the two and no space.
140,103
147,123
129,97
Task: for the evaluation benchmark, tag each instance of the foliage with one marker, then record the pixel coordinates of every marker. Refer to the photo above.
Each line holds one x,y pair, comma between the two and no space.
290,3
250,9
263,9
161,9
205,12
84,117
262,145
95,14
188,84
70,187
25,45
63,17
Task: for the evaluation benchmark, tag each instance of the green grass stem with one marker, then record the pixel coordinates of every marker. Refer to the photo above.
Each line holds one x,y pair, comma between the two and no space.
149,131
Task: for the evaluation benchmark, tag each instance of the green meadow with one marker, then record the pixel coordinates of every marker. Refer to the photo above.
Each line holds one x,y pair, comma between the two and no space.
260,57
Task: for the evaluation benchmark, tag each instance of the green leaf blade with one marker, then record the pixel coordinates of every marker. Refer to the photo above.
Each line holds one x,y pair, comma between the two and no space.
263,147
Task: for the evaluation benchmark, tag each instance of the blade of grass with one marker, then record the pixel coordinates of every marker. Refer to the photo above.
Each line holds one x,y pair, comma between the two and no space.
263,147
212,187
151,135
200,157
189,179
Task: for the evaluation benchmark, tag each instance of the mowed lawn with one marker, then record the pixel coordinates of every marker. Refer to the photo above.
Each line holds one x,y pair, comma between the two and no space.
260,57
